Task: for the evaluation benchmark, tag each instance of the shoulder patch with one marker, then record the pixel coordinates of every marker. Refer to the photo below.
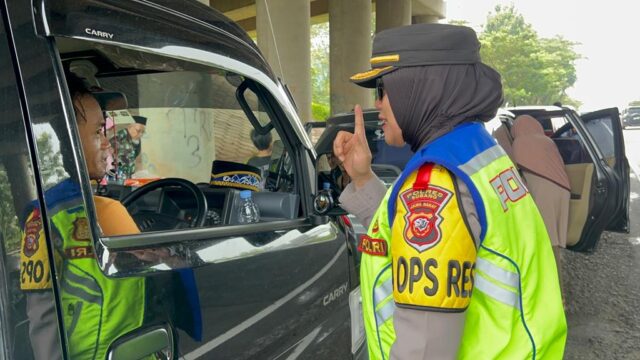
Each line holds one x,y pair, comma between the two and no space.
423,217
32,229
372,246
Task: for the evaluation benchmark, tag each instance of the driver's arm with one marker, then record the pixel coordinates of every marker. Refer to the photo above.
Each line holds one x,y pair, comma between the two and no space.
113,218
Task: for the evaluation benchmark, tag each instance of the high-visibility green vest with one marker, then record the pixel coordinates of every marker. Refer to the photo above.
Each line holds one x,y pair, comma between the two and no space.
96,310
516,308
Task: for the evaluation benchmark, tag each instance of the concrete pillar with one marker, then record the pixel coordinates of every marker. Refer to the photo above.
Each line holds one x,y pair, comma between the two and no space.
392,13
349,52
427,11
291,59
18,168
424,19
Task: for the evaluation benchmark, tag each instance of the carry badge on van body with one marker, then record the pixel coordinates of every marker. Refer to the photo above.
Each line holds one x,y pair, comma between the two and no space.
423,218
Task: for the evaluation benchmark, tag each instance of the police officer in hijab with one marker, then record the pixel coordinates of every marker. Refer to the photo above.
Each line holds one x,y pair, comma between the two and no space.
458,221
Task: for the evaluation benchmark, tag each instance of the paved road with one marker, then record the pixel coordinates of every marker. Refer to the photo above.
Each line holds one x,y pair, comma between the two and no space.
603,288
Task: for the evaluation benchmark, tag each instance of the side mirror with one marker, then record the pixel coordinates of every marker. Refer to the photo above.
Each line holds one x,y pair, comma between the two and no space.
323,203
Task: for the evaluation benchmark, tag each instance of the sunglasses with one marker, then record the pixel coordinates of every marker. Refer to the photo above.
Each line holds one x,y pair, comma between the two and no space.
379,89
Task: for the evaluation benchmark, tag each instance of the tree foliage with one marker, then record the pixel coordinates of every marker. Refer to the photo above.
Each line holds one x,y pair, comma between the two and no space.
320,71
320,112
51,170
51,167
8,219
535,70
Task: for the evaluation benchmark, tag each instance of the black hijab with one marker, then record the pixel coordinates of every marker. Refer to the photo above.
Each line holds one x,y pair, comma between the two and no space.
429,101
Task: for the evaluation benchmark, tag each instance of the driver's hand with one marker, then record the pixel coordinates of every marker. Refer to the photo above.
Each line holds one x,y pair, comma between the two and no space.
353,151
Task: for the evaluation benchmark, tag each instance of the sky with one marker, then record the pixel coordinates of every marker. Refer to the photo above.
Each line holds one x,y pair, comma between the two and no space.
608,33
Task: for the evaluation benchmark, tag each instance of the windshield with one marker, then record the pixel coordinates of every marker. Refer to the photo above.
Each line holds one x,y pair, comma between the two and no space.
176,124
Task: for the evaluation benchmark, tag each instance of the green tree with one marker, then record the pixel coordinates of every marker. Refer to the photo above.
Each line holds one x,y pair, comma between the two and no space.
535,71
8,219
320,71
320,112
52,170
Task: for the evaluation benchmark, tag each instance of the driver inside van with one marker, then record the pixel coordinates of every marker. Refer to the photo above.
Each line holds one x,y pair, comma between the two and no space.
92,305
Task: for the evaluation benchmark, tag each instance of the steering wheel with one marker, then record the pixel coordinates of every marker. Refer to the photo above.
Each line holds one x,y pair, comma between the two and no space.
148,220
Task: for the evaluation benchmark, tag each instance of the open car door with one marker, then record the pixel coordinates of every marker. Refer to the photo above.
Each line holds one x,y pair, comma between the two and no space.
594,183
605,128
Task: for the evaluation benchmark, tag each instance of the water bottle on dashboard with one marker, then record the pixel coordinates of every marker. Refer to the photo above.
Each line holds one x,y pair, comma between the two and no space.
248,212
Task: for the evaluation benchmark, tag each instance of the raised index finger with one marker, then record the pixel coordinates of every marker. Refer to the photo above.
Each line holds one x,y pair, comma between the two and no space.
358,129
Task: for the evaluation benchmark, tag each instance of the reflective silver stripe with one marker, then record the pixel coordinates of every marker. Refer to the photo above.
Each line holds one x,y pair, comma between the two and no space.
81,293
504,276
492,290
384,313
77,310
382,291
481,160
86,282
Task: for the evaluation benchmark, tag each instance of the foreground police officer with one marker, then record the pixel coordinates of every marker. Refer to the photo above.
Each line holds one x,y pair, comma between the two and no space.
458,221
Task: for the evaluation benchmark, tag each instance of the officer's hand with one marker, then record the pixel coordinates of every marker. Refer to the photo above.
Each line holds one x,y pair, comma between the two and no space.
353,151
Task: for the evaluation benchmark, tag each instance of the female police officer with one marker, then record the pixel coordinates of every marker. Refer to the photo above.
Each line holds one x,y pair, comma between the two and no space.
458,219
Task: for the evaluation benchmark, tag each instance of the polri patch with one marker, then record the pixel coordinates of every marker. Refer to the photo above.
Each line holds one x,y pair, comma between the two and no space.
79,252
372,246
423,218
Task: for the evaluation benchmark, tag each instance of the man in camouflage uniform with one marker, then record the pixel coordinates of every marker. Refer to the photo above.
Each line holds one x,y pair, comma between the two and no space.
126,147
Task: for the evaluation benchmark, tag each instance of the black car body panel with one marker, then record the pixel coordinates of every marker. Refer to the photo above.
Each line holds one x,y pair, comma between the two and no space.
278,289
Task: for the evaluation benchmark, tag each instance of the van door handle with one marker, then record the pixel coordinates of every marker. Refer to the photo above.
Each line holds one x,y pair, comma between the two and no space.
140,344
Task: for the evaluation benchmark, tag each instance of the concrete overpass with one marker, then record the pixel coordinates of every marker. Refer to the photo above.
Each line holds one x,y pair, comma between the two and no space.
289,22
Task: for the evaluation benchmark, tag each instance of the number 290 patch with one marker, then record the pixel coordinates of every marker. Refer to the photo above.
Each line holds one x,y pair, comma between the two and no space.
35,273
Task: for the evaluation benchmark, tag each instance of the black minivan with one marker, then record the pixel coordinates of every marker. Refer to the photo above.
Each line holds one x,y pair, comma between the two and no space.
200,285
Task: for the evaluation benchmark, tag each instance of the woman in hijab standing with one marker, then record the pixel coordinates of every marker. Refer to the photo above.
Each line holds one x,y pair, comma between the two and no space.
454,221
546,177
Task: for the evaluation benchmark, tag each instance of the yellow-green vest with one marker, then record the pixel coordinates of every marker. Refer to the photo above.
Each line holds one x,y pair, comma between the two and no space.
96,310
516,308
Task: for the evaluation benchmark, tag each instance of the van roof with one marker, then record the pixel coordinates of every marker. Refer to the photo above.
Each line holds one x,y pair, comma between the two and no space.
149,24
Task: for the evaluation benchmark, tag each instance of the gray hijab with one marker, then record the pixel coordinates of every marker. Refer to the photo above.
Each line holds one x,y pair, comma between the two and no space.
429,101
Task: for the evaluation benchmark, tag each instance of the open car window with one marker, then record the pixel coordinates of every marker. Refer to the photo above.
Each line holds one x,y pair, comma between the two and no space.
190,122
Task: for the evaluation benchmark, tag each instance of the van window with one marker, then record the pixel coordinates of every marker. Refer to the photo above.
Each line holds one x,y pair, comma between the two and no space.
602,132
197,113
207,125
28,320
